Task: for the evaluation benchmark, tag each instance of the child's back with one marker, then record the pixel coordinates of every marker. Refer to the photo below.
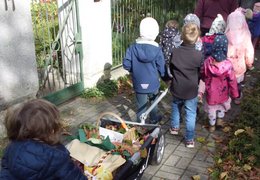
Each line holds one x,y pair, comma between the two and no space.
240,47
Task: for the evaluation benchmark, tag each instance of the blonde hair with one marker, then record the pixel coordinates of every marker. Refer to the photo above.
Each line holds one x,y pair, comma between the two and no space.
190,33
172,24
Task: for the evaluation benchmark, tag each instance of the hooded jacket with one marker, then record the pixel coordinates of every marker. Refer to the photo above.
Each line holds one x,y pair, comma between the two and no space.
169,39
145,61
220,81
240,47
33,160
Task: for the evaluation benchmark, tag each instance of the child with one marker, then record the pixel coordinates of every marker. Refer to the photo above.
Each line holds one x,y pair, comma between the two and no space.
220,81
240,48
185,66
254,23
218,27
193,18
170,38
145,61
35,151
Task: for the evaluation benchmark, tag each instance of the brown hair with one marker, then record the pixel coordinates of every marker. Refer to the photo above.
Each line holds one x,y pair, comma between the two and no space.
36,119
190,33
172,24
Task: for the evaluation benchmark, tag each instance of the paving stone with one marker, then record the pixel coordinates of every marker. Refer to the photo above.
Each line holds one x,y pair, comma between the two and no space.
183,163
166,175
172,160
171,169
184,154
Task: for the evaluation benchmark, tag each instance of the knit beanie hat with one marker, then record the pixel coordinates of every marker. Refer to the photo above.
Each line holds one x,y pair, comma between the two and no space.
192,18
220,47
149,28
218,25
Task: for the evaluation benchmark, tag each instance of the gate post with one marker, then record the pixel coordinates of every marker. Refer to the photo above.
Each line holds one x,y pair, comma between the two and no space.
18,72
95,21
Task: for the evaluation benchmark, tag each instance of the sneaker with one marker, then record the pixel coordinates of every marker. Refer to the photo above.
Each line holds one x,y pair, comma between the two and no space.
190,144
174,131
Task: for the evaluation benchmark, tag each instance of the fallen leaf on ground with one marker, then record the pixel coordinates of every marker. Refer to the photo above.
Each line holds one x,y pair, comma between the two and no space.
196,177
247,167
223,175
239,131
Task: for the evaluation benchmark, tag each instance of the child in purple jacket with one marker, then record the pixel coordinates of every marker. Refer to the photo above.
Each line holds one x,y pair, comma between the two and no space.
220,81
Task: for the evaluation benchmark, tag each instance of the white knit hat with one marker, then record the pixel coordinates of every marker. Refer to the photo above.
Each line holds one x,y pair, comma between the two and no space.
217,26
149,28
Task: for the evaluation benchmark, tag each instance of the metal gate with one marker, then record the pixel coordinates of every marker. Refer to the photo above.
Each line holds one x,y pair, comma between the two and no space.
58,49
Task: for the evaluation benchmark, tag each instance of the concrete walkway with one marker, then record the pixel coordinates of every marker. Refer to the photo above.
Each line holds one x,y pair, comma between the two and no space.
178,162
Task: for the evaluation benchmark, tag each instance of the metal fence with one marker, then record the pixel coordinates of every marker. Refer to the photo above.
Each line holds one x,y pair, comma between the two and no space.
127,14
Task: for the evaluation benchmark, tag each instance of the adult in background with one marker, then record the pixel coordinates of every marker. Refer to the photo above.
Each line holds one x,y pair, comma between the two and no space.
247,3
207,11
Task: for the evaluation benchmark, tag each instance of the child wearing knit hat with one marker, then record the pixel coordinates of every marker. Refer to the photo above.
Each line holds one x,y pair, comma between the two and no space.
220,81
144,60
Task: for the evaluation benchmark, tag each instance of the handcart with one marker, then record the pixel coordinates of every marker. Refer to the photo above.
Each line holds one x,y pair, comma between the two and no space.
153,144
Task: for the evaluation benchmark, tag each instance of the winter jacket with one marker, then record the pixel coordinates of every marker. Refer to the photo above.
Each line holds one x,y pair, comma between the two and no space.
169,39
207,10
220,81
33,160
145,62
185,66
254,25
240,47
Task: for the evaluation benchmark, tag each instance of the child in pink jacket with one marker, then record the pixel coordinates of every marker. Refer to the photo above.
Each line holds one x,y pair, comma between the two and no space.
220,81
240,47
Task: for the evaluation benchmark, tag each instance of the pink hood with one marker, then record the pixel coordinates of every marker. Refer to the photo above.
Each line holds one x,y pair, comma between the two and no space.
220,81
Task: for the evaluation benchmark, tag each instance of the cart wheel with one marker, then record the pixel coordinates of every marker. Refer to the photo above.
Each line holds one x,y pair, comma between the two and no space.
158,150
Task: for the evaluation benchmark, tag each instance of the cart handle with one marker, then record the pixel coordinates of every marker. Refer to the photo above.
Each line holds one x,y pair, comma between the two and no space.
114,115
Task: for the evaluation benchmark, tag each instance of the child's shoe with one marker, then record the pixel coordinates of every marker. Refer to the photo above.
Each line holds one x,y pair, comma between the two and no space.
190,144
174,131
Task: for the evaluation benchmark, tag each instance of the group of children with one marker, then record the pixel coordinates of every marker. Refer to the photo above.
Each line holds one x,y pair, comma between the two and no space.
209,68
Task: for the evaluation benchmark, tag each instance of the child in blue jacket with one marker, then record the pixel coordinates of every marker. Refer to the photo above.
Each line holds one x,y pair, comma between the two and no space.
35,151
144,60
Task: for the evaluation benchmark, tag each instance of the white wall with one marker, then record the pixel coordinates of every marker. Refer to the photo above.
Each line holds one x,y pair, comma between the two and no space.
95,20
18,72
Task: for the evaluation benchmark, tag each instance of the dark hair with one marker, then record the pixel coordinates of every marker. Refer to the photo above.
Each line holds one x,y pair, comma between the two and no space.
190,33
36,119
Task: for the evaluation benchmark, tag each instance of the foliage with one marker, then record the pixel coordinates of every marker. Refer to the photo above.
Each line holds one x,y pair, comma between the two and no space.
45,28
238,155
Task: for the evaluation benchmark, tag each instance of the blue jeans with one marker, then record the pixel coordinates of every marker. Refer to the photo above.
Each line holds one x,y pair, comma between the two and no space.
190,107
143,100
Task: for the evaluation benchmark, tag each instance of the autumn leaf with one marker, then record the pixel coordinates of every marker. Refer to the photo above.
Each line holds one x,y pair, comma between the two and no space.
249,131
223,175
219,161
239,131
196,177
226,129
201,139
210,170
247,167
211,144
